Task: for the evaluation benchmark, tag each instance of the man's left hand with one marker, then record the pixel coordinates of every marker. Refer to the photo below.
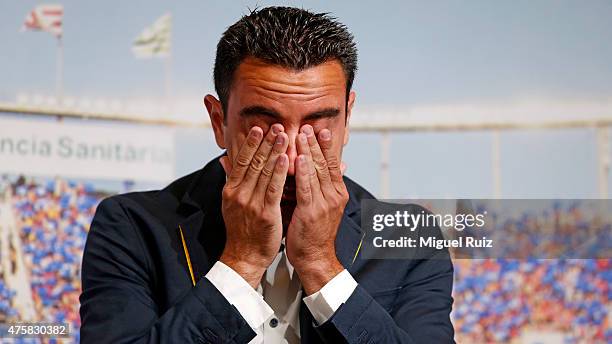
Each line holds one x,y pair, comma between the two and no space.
321,198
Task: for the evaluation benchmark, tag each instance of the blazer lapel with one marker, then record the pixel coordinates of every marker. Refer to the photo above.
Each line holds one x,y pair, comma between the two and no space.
195,255
350,235
202,223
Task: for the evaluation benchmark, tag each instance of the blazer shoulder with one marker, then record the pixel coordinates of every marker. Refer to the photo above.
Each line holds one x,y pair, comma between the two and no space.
160,203
357,193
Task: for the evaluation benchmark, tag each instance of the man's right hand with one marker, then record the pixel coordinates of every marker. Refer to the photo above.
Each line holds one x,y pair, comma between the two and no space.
251,202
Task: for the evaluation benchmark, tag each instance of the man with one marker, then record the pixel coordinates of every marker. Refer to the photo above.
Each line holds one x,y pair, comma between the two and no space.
262,244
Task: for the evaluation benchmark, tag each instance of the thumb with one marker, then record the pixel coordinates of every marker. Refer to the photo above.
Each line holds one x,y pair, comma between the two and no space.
343,167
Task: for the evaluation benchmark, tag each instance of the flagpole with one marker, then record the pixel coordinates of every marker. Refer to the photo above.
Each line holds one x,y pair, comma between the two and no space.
59,76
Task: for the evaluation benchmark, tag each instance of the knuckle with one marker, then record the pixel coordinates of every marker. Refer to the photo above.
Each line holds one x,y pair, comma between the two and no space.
325,144
251,208
270,200
242,161
344,198
315,215
252,143
341,202
227,193
333,163
266,171
241,200
266,217
274,188
304,190
343,192
321,165
270,217
258,162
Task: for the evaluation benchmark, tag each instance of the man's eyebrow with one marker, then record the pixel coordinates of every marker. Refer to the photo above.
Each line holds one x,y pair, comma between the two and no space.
258,110
325,113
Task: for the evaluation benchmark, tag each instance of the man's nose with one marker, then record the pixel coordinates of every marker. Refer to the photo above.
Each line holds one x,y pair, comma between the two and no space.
292,151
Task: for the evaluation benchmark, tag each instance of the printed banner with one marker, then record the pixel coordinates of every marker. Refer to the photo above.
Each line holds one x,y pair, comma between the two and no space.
91,150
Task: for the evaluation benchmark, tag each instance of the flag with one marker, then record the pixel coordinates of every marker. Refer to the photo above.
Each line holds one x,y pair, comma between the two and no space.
155,40
45,18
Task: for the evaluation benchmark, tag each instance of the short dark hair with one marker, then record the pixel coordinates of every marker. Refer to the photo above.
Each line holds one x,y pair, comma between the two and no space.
286,36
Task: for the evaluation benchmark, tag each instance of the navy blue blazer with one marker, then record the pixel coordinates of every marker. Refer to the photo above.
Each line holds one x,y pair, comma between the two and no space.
137,286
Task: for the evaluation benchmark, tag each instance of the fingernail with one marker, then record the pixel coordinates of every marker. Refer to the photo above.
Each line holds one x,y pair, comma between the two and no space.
280,139
255,132
275,129
325,134
302,138
302,159
307,130
282,160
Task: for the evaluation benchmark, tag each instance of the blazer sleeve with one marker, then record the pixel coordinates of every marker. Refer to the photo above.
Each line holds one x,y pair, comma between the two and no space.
421,313
117,304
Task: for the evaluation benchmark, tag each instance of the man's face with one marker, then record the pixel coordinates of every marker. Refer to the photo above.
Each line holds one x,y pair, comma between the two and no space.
263,94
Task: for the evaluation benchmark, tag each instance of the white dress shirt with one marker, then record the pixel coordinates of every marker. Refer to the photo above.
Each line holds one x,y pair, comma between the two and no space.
272,310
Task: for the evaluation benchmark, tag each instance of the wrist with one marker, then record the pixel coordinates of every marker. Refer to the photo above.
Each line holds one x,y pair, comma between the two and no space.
315,274
250,272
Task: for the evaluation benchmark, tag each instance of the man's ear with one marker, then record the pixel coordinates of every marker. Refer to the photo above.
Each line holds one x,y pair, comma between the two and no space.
349,110
215,112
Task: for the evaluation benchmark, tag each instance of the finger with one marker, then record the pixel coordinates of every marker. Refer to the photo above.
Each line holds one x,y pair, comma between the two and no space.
318,159
301,144
244,157
333,160
304,149
280,147
260,158
343,167
302,181
274,192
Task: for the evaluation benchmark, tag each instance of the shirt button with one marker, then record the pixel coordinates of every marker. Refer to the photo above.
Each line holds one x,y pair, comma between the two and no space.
273,322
